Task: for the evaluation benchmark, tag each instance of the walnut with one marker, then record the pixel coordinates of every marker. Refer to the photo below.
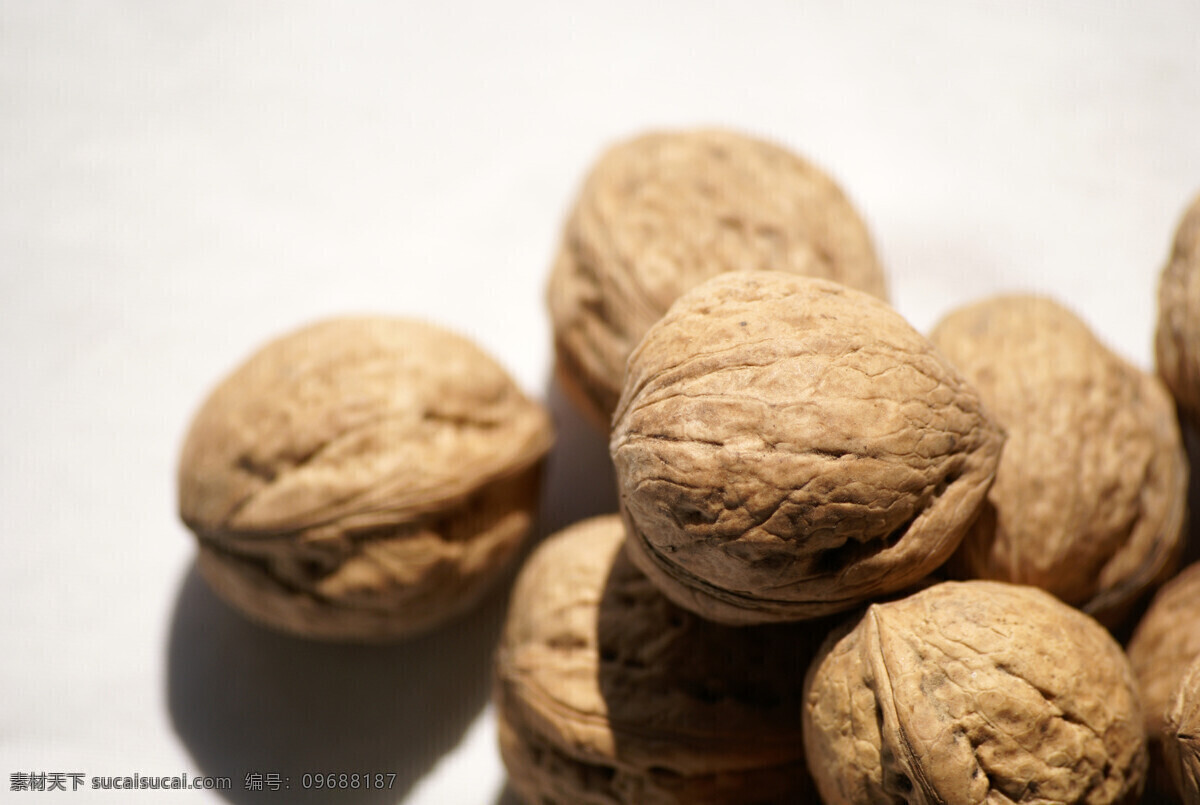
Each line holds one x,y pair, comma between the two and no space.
787,447
1090,498
607,693
1181,736
1177,339
973,692
665,211
1165,642
361,479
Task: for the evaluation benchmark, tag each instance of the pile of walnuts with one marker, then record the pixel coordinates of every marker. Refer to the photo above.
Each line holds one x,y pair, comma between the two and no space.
851,561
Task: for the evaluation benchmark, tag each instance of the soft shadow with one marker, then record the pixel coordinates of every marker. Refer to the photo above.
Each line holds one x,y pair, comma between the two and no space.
580,480
247,700
507,797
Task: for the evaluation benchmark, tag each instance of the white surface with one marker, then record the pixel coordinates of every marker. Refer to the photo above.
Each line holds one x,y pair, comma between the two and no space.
181,181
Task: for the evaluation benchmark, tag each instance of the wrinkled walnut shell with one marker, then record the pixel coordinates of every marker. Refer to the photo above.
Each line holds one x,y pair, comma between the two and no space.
1090,497
663,212
787,447
1165,642
1177,339
1181,736
607,693
361,479
973,692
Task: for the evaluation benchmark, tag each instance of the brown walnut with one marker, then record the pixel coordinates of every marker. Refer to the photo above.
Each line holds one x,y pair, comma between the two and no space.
974,692
361,479
608,693
787,447
1165,642
1177,339
1181,736
663,212
1090,497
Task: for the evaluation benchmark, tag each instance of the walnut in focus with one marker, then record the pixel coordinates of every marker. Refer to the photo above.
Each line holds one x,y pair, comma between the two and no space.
1181,736
361,479
972,692
607,693
663,212
1090,498
787,447
1177,339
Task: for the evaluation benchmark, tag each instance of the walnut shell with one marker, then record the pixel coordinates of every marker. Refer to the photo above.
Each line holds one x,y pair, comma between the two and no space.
1165,642
972,692
663,212
361,479
1177,338
607,693
787,447
1090,498
1181,736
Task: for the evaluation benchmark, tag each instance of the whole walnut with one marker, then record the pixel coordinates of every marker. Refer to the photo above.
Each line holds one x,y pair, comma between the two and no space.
1181,736
973,692
361,479
663,212
1165,642
787,447
607,693
1090,497
1177,339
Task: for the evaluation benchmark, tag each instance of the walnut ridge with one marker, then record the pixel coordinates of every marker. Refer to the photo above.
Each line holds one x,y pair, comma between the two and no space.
973,692
361,478
787,447
607,693
661,213
1090,496
1181,736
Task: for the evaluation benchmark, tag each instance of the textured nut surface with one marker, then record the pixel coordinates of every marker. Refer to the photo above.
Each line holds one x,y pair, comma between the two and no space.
1165,642
663,212
1181,736
607,693
973,692
1090,497
361,478
1177,339
787,447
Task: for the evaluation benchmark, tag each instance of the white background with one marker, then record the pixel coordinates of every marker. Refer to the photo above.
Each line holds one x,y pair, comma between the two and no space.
181,181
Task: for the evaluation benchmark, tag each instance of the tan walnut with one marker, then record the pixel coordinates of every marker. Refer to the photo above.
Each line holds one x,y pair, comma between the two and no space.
662,212
787,447
1181,736
1165,642
361,478
974,692
1090,497
1177,339
607,693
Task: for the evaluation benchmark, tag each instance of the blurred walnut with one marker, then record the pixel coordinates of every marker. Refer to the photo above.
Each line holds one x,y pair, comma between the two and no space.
1165,643
1177,340
608,693
660,214
1181,736
973,692
787,447
1090,497
361,479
